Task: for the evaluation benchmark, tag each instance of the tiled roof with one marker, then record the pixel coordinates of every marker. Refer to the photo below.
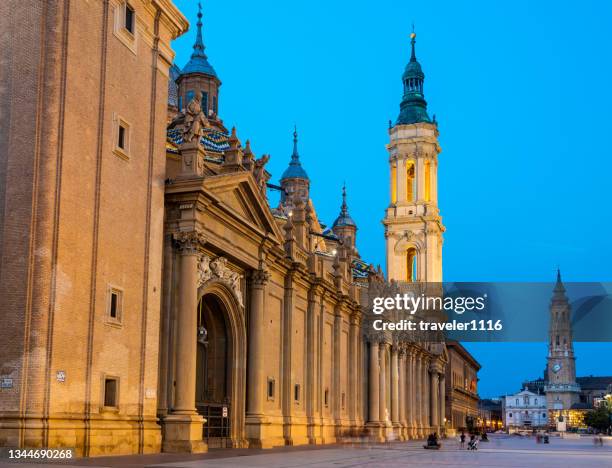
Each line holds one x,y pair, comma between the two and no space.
594,382
172,86
213,140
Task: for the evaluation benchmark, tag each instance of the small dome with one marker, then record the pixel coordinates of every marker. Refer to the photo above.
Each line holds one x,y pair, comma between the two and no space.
344,218
295,169
198,64
413,70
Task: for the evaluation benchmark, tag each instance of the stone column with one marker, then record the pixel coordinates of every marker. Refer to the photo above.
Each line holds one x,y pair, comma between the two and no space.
418,396
394,386
402,394
410,400
434,404
426,397
383,385
255,372
183,426
374,389
353,394
442,392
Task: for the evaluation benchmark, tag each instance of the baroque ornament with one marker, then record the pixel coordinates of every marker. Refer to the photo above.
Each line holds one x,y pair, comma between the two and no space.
217,269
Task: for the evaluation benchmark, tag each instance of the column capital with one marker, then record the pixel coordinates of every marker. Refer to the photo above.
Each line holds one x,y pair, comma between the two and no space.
260,277
189,242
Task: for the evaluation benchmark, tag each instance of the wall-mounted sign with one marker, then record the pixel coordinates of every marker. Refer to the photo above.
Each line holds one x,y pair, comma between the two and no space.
6,383
60,376
150,393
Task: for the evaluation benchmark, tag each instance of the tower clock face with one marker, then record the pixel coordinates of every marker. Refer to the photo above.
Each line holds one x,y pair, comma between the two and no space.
556,367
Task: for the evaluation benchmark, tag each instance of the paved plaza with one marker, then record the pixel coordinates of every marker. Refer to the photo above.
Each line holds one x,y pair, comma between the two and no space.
501,451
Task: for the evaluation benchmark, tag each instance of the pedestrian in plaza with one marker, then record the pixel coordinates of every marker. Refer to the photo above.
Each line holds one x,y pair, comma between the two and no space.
462,439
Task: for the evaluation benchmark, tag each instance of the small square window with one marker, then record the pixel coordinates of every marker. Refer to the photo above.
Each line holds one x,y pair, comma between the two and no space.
296,392
271,388
114,309
111,392
121,137
130,17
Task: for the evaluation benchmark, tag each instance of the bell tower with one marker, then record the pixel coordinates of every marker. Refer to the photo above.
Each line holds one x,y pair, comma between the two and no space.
561,387
413,226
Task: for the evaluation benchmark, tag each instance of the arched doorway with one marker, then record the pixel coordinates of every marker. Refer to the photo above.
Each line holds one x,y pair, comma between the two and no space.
220,389
213,371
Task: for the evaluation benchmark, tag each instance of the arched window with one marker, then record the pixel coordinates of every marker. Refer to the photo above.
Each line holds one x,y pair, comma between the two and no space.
410,172
411,265
517,403
427,181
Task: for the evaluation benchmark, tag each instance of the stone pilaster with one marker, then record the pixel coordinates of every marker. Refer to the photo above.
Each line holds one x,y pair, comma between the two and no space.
183,426
255,377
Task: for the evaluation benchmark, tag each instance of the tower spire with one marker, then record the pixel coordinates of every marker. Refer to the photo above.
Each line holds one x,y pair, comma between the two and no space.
412,42
295,156
413,108
344,218
198,63
559,288
198,46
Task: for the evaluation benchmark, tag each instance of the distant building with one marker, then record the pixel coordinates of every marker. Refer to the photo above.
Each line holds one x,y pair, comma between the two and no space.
525,409
490,414
461,387
568,397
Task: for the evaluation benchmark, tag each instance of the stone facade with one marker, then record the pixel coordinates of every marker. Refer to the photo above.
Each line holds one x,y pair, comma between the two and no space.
152,298
461,387
81,222
524,409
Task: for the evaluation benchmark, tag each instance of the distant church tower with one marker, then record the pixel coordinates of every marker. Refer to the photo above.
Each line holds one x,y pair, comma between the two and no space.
561,389
413,226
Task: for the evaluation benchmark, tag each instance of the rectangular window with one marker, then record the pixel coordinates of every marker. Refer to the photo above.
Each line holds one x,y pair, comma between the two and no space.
121,137
326,397
205,103
214,105
343,400
190,96
296,392
110,392
130,17
271,389
114,309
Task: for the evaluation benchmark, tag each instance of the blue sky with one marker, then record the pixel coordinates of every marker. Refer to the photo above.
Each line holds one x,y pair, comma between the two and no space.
522,95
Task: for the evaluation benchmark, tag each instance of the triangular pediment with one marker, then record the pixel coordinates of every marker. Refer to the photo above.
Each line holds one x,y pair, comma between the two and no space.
238,193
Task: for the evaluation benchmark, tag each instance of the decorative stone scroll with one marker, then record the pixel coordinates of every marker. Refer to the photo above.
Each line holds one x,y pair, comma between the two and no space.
217,269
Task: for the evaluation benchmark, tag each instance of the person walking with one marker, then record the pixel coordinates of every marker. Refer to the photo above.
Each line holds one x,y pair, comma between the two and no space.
462,439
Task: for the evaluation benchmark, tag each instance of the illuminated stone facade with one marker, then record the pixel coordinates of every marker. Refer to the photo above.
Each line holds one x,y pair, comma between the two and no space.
152,298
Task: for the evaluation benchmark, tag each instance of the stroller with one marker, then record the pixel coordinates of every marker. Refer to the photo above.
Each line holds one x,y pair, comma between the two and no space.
473,444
